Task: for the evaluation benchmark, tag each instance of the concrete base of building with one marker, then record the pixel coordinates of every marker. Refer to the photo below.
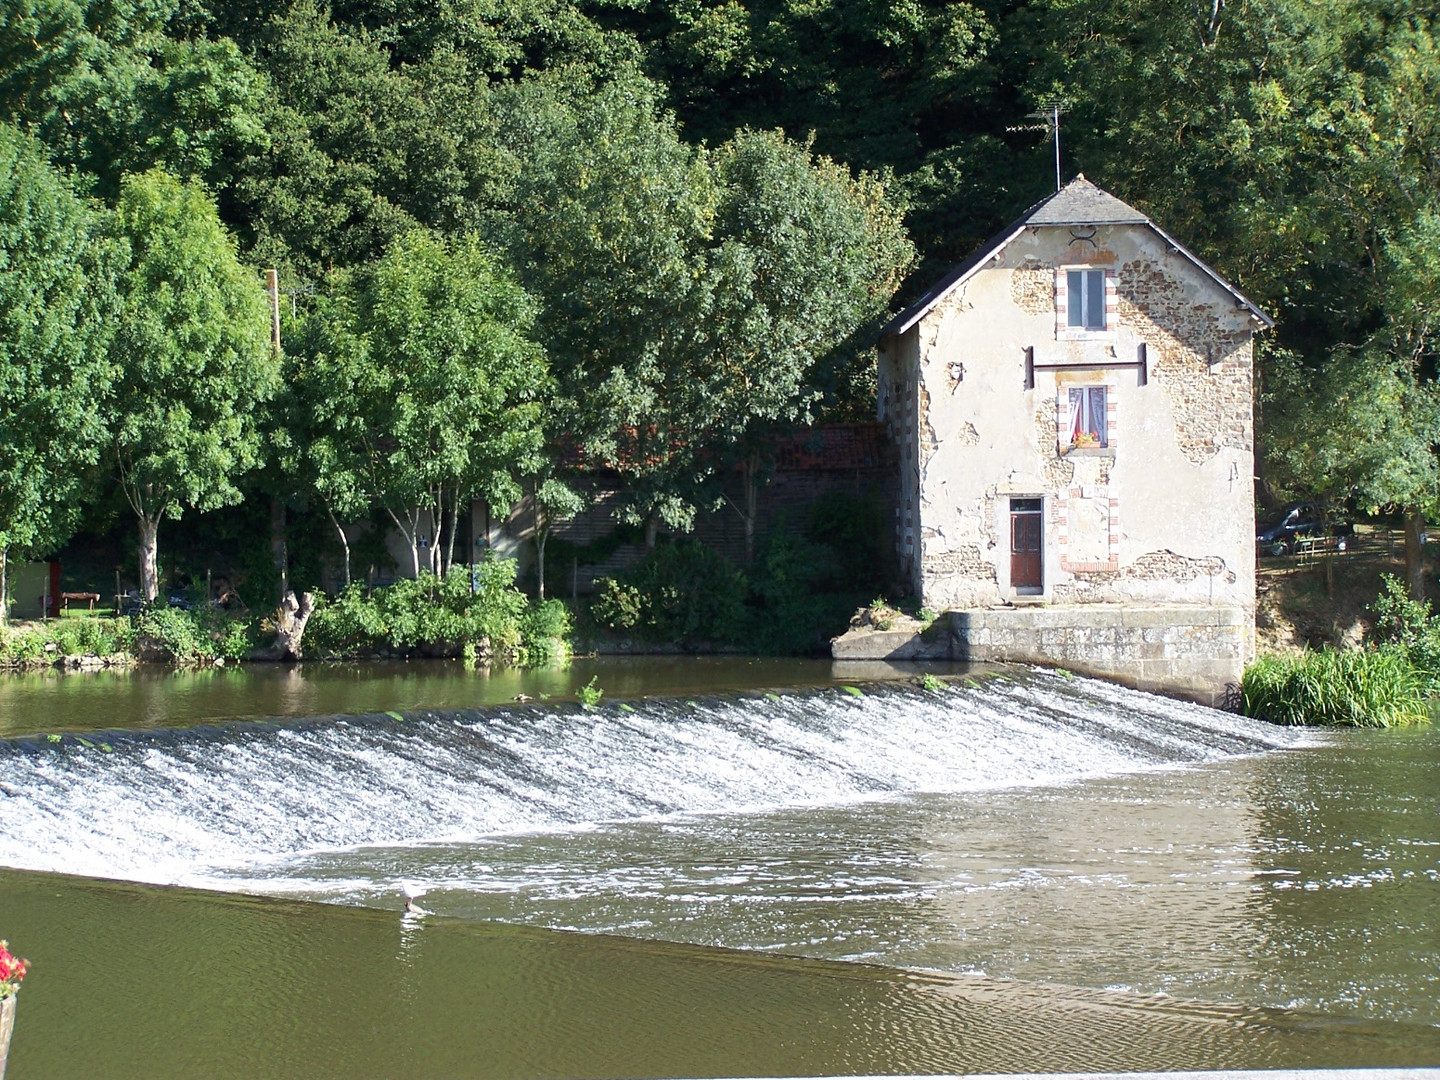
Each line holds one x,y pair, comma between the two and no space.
1184,650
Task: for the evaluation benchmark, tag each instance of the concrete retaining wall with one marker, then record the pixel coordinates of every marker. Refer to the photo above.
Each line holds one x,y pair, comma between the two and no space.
1192,651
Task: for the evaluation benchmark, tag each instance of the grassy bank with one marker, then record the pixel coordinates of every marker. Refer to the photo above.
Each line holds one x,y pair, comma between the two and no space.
1371,687
1392,678
484,620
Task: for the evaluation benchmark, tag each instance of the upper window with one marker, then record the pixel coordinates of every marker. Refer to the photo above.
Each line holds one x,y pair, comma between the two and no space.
1088,417
1085,299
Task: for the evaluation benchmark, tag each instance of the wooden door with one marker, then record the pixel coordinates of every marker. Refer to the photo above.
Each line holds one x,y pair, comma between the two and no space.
1026,531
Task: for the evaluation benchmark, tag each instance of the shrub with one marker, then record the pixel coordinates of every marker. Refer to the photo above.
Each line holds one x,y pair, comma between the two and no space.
77,637
449,616
174,632
1410,626
854,530
23,646
1375,687
681,592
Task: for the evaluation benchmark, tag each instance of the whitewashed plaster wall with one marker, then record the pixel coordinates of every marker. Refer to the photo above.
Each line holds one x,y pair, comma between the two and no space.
1166,514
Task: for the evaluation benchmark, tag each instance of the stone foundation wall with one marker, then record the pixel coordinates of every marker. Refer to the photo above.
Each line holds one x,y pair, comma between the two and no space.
1191,651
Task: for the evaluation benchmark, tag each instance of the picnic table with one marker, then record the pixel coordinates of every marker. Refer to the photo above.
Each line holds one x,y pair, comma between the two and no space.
91,598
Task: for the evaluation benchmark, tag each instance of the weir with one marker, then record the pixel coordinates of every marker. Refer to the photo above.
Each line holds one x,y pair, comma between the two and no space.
202,805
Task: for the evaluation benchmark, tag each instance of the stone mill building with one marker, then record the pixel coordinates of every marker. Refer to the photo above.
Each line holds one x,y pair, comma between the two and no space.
1072,407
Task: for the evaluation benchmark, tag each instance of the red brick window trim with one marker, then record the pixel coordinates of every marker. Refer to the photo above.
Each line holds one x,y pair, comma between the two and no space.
1066,299
1080,423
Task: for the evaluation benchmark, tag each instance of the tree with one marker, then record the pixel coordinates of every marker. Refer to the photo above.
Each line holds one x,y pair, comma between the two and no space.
688,294
116,87
609,211
56,307
192,348
432,357
804,256
325,449
553,501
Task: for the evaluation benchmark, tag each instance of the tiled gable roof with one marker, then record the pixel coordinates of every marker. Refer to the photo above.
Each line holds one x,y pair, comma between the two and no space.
1078,203
1082,203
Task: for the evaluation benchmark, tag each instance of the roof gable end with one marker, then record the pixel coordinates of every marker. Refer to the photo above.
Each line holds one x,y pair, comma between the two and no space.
1078,203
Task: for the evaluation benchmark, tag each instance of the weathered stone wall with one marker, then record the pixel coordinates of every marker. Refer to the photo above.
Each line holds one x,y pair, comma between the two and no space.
1163,514
1192,651
1201,359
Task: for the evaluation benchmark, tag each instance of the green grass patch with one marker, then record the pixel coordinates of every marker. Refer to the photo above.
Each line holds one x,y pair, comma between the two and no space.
1374,687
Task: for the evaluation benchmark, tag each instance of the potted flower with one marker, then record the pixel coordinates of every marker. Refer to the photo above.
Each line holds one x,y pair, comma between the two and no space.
12,970
1086,438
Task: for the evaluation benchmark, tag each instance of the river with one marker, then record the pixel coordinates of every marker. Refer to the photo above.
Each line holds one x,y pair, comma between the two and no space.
730,867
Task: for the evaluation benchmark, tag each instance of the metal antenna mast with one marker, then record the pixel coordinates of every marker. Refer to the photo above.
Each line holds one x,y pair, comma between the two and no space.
1049,113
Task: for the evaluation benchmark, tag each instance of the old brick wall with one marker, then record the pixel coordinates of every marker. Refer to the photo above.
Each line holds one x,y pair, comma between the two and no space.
854,460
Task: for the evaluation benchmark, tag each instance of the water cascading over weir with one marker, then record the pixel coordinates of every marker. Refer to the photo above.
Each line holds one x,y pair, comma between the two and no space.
211,805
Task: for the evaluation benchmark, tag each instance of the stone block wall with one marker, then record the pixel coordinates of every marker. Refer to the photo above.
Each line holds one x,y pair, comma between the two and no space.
1192,651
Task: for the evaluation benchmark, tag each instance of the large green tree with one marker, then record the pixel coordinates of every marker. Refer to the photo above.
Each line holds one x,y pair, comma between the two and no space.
802,256
429,388
115,86
56,308
193,358
689,295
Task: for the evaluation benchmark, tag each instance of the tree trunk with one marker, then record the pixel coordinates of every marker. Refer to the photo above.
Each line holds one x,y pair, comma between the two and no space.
454,530
751,498
148,546
652,526
344,543
290,628
540,537
279,550
1415,554
4,585
411,535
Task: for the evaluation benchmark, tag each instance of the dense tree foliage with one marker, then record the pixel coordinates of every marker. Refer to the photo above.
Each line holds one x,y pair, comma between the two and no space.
424,388
192,355
708,201
56,305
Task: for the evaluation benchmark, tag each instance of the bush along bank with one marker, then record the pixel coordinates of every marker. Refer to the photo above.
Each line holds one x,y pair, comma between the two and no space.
1393,680
487,620
787,602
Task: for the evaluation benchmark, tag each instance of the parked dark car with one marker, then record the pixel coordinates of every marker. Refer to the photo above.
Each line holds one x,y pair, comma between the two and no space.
1277,534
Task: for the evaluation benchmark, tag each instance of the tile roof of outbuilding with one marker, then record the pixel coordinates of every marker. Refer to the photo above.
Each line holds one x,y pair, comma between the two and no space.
1078,203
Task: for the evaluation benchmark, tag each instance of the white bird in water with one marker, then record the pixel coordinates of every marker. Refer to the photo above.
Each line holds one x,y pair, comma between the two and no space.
412,893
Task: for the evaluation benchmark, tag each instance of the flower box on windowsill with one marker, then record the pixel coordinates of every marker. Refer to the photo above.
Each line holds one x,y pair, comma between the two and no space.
1080,450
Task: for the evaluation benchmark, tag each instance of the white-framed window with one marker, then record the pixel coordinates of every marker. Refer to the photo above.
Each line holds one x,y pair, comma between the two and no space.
1085,299
1088,417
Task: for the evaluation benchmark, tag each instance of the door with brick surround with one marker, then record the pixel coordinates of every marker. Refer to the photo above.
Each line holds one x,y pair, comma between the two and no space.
1026,533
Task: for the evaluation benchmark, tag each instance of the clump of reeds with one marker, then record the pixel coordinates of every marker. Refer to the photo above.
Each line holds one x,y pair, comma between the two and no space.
1372,687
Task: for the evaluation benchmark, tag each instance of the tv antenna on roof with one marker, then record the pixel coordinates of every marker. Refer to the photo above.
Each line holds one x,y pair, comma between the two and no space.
1049,112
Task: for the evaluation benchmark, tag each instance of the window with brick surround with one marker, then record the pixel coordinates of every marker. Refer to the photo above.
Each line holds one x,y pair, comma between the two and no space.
1085,299
1086,303
1087,422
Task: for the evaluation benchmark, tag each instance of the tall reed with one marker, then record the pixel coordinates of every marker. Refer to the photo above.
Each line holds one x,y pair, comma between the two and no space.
1375,687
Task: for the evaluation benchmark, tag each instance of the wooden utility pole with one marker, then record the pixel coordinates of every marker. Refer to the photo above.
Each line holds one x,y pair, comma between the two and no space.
272,287
279,551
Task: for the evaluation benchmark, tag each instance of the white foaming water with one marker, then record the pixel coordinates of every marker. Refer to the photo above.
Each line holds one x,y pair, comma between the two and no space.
210,806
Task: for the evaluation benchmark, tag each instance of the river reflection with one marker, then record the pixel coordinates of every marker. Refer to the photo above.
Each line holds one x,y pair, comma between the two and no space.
143,981
152,696
1013,869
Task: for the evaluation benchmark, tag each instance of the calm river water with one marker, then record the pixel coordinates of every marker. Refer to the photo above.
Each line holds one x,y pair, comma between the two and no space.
731,867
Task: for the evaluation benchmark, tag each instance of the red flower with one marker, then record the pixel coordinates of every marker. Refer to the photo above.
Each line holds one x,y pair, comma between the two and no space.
12,970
